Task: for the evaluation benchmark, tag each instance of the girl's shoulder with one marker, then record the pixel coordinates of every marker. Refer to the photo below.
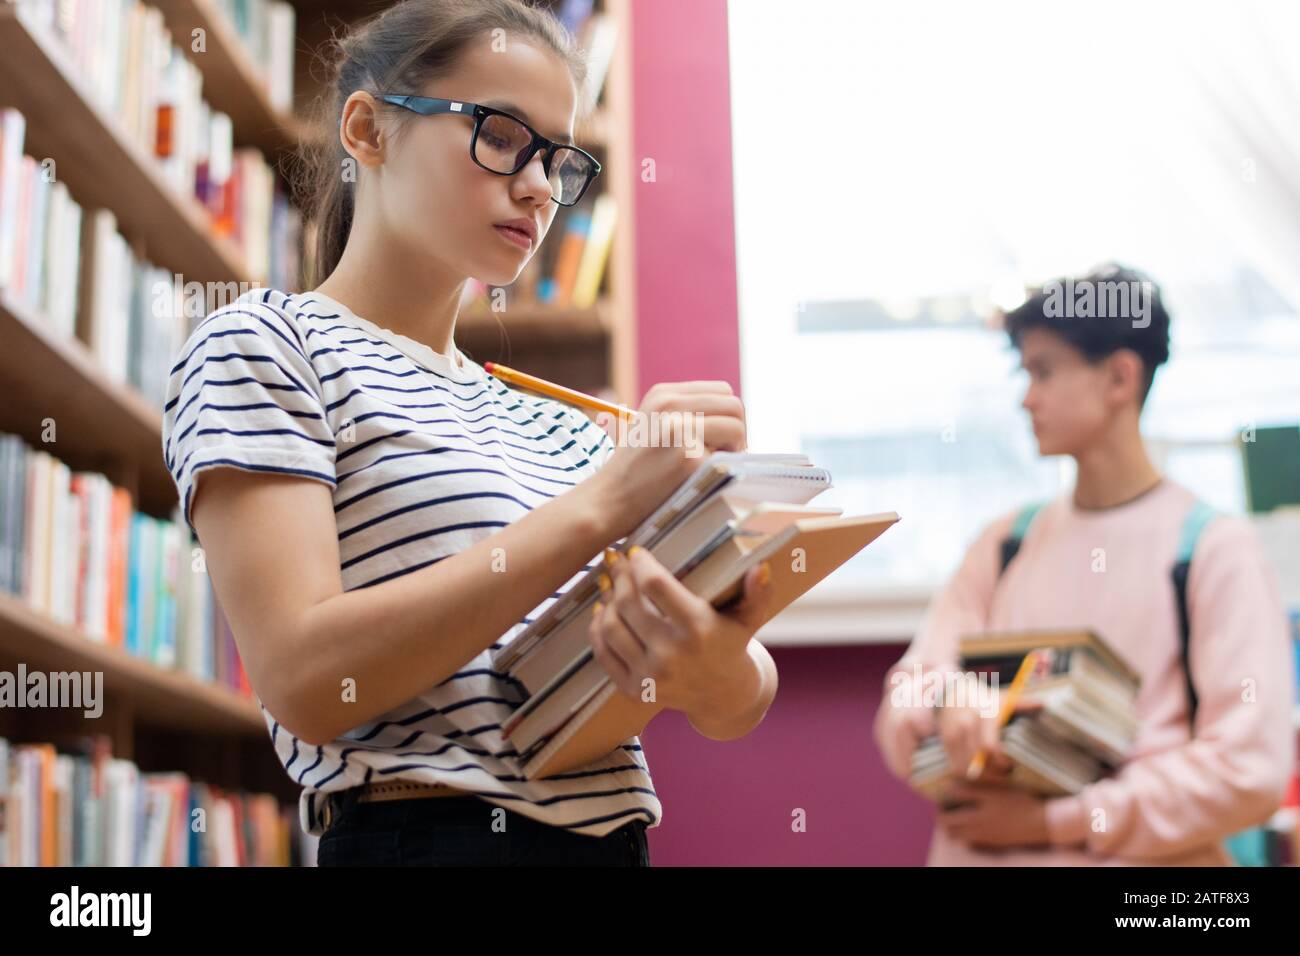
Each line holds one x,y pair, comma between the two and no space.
259,309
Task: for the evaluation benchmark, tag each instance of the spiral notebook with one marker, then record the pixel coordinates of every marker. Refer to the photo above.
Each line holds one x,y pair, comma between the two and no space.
736,511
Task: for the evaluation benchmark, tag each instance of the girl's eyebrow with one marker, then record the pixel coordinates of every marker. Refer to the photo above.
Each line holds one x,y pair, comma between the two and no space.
512,108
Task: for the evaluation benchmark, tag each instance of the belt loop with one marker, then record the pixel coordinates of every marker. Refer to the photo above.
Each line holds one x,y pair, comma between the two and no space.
336,803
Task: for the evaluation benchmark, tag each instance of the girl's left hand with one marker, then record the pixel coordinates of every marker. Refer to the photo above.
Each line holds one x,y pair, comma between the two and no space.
660,642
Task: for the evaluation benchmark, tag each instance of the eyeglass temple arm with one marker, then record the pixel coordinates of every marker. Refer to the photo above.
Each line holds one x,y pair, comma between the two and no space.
427,105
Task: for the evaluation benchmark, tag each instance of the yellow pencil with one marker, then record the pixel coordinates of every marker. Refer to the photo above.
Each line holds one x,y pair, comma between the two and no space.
560,392
1008,706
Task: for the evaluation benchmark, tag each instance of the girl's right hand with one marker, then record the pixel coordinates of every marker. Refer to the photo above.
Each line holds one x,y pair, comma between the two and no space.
683,423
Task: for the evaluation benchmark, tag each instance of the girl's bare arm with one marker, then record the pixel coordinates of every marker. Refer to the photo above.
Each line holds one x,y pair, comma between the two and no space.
271,549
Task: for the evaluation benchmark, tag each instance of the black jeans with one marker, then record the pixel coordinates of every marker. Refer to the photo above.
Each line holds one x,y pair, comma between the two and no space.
459,831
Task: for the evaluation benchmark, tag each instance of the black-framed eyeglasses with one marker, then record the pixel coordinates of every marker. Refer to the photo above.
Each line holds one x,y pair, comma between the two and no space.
504,144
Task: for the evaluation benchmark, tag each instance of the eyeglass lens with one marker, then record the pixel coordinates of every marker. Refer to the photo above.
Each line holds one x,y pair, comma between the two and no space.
502,143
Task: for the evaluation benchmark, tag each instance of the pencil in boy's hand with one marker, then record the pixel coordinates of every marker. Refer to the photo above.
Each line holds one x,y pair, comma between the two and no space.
976,767
551,390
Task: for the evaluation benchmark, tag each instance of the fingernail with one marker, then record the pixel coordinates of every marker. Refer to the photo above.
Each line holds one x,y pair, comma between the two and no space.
634,549
611,555
764,573
605,583
596,608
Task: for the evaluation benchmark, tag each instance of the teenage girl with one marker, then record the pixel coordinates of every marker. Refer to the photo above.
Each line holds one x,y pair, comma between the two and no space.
378,514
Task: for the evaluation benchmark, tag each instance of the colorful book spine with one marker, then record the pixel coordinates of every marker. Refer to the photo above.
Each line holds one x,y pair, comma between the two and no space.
72,547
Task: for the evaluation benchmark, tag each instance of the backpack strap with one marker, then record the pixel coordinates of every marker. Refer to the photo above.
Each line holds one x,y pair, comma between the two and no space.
1194,523
1019,527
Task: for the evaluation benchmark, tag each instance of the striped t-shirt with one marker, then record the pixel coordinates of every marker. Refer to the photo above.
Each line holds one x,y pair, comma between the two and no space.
425,456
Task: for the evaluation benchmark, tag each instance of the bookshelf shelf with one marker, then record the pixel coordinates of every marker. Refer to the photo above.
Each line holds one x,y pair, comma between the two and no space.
101,424
231,82
100,165
158,697
532,324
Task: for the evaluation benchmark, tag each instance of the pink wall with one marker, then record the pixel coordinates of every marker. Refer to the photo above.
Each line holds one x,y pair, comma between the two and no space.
732,803
685,239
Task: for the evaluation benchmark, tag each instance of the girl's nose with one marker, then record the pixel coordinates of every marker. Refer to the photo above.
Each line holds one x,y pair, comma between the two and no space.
532,182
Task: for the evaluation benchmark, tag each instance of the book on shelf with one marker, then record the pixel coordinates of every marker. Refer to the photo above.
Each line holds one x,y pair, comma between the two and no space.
596,33
130,316
74,273
570,277
598,38
13,126
736,511
266,32
1075,721
151,93
86,807
73,548
40,232
572,14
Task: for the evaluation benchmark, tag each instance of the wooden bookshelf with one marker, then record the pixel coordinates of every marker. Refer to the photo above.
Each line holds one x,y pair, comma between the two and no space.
166,719
531,324
101,425
101,166
231,82
156,696
614,115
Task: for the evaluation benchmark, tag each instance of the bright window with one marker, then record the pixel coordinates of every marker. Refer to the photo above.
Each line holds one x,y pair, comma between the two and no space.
899,167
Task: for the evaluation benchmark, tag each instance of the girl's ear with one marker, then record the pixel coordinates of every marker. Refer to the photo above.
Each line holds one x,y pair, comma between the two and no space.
360,130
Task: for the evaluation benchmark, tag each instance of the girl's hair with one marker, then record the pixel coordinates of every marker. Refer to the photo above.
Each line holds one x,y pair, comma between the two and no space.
400,50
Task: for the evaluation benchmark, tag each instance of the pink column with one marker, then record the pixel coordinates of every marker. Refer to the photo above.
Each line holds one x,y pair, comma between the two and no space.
685,226
732,803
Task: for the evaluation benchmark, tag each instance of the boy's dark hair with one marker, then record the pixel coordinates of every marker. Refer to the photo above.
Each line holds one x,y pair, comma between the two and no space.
1081,311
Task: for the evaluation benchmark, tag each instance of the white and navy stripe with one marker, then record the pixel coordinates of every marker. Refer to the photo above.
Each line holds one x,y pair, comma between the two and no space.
424,458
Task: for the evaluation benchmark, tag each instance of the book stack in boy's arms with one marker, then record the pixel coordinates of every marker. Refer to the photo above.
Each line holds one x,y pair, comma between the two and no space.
89,808
72,547
736,511
1075,721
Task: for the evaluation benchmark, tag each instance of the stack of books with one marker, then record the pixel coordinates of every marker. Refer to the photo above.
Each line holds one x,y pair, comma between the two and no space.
736,511
1075,720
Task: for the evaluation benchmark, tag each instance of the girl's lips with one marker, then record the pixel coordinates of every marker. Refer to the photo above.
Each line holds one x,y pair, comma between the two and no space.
517,236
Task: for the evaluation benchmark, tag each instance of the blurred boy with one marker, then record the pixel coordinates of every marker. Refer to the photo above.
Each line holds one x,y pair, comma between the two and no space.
1100,558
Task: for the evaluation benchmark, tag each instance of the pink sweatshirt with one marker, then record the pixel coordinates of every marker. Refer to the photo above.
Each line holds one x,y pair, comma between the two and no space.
1176,798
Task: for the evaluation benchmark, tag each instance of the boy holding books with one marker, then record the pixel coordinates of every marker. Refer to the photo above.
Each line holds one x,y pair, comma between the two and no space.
1216,744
